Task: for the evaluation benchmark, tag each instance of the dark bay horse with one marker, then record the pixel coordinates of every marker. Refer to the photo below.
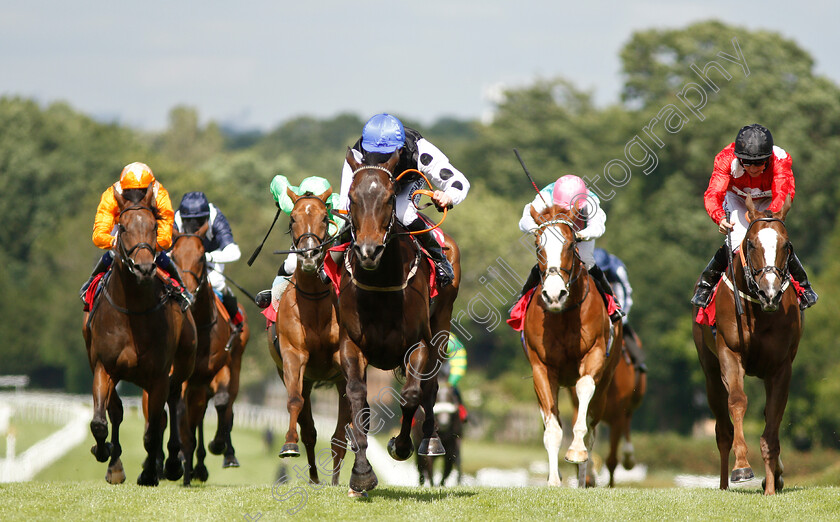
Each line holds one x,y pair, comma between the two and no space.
218,360
450,429
385,318
304,340
138,333
627,388
569,340
762,343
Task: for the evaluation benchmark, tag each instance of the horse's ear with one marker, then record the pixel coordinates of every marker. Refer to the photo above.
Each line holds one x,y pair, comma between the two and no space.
785,208
118,197
351,160
327,193
150,196
751,211
204,228
294,197
535,215
391,164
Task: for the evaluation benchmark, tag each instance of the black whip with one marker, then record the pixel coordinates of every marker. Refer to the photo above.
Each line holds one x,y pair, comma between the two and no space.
521,162
234,283
731,270
257,251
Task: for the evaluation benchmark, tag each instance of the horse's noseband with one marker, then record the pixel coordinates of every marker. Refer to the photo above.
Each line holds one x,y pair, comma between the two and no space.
121,248
750,272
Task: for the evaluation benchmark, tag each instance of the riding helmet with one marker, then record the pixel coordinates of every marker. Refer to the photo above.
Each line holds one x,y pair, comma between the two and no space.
754,142
194,205
136,176
383,133
569,191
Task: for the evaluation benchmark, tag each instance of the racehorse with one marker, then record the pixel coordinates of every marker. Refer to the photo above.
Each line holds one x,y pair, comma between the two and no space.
627,388
568,339
761,342
385,318
304,340
138,333
450,429
218,359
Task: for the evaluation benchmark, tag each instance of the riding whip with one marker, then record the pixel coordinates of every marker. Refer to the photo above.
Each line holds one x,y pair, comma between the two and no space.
257,251
234,283
731,268
521,162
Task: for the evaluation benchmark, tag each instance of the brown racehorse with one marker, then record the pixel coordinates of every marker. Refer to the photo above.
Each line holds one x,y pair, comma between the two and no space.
626,391
138,333
304,340
450,429
384,317
762,342
569,340
218,359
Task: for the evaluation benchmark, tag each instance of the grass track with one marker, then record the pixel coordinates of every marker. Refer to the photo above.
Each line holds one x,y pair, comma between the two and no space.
99,501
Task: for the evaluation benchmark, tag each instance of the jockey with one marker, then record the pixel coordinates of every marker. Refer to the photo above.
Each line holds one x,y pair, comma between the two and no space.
567,192
616,273
135,180
769,181
381,136
454,368
313,185
219,246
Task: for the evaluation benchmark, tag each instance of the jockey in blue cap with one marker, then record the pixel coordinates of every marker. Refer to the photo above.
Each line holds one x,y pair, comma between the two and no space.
381,136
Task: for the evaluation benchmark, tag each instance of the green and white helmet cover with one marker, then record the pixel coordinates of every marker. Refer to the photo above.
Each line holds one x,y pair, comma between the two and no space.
313,184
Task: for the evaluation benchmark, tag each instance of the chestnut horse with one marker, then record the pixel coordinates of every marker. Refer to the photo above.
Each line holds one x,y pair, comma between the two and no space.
218,359
385,318
138,333
762,342
304,340
569,340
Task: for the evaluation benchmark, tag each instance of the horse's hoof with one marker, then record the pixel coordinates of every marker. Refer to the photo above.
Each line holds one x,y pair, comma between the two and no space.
289,450
101,452
741,475
362,482
395,454
217,447
629,461
780,483
200,473
115,473
431,448
356,494
230,462
173,470
577,456
147,478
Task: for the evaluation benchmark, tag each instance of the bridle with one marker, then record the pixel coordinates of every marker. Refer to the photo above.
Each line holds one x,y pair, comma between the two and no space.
750,272
202,279
322,241
126,254
393,200
556,270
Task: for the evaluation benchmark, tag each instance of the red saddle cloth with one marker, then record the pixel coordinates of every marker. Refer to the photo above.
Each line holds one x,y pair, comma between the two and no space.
517,313
90,293
334,270
706,315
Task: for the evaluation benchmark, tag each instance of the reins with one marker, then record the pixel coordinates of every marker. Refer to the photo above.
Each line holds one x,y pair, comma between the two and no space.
750,273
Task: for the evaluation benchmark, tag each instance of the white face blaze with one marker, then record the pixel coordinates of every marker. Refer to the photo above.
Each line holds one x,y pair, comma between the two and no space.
768,238
553,243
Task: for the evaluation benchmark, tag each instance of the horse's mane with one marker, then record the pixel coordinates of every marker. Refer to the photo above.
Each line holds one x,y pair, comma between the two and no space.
375,158
136,196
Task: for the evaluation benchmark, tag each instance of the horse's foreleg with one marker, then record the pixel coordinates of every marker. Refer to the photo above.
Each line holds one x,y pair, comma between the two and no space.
153,436
776,389
115,473
172,468
191,415
612,458
414,390
103,386
221,400
585,389
308,434
230,460
353,365
545,385
732,374
338,441
294,366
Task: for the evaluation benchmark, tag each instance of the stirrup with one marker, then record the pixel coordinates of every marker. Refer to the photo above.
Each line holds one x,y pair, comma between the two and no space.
702,297
809,298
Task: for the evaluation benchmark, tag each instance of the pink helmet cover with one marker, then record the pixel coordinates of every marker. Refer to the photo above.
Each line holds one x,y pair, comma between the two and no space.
569,191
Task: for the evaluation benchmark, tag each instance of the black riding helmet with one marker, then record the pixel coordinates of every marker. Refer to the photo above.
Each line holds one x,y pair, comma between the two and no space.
754,142
194,205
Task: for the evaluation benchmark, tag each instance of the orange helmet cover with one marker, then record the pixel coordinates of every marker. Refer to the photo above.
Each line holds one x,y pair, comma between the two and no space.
136,176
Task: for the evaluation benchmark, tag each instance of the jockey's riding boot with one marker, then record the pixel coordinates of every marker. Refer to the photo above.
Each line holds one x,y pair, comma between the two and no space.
709,278
232,307
533,279
101,266
444,274
809,297
635,351
263,298
182,295
605,290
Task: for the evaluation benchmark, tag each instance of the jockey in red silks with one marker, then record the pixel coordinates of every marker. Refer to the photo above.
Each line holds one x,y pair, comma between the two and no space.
570,192
752,166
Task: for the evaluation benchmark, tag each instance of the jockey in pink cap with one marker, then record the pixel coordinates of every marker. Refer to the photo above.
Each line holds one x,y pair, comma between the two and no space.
571,192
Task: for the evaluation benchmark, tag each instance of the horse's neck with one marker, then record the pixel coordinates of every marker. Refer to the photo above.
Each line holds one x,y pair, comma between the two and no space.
392,266
309,282
204,308
124,287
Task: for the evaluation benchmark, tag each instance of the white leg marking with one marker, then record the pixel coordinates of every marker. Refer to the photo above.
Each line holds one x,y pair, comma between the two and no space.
585,388
552,439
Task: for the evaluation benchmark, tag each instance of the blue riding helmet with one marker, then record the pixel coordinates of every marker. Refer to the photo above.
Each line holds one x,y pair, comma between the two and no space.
383,133
194,205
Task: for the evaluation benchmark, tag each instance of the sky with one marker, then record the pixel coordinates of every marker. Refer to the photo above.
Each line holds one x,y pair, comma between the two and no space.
254,64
